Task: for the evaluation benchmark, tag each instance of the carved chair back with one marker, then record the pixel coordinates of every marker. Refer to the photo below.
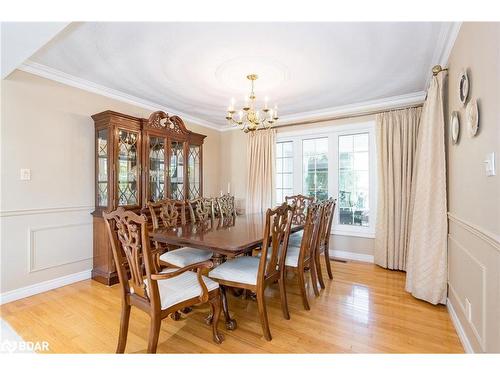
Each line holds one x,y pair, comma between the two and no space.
201,209
225,206
312,227
276,234
301,203
128,233
167,213
327,220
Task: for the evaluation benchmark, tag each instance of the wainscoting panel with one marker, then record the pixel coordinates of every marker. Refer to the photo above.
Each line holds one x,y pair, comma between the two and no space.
39,246
474,283
57,245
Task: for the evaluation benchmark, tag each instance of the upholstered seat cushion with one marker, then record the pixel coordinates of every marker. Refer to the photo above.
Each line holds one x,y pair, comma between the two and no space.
242,269
292,256
181,288
185,256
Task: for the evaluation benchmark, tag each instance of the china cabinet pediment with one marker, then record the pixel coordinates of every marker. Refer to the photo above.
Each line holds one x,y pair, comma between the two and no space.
137,161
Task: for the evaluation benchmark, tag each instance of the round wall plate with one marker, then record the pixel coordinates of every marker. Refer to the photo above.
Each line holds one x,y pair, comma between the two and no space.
472,116
454,127
463,87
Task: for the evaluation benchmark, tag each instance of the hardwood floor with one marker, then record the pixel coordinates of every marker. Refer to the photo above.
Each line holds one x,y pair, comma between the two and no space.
363,310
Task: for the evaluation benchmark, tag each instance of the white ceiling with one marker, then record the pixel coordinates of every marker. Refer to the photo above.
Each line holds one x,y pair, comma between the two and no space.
305,68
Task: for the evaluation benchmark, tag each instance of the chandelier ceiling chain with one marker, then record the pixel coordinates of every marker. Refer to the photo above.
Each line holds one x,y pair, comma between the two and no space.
251,118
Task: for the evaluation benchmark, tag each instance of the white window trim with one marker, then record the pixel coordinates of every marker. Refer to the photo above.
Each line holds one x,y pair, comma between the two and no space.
332,133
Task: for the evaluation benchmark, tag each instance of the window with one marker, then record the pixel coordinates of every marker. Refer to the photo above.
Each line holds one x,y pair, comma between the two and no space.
337,161
315,173
354,180
284,170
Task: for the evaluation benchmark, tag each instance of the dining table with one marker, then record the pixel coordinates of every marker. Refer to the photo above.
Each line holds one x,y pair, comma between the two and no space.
226,237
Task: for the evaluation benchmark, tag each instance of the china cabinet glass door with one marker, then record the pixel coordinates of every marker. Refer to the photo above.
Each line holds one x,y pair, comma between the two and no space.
102,167
156,168
128,168
194,171
176,170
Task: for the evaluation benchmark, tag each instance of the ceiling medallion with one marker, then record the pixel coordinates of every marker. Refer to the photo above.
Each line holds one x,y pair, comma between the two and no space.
251,118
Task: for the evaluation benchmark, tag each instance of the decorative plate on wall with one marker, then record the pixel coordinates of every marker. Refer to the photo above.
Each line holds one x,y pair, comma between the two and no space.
454,127
472,117
463,87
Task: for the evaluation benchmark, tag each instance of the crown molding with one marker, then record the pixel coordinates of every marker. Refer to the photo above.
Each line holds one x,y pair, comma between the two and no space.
70,80
357,109
446,40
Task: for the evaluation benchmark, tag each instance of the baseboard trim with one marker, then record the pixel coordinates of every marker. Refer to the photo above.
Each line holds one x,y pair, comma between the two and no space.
458,327
351,256
44,286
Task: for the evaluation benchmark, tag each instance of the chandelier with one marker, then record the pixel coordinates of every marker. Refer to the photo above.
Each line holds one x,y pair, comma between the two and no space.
250,118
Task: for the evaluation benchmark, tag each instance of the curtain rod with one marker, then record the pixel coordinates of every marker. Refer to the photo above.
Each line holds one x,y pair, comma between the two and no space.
342,117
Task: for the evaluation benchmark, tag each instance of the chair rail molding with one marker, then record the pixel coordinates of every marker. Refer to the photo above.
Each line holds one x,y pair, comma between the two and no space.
40,211
491,238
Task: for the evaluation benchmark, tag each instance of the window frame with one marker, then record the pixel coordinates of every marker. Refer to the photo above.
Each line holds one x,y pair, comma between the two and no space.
276,172
333,132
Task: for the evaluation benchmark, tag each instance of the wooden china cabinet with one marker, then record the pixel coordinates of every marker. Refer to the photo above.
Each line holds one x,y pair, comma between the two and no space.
139,160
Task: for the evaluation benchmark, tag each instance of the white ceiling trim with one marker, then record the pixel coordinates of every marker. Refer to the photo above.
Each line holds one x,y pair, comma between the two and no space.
384,104
359,108
20,40
447,38
70,80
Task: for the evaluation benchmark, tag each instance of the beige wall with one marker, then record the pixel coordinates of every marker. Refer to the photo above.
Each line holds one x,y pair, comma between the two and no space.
473,198
46,222
234,171
234,167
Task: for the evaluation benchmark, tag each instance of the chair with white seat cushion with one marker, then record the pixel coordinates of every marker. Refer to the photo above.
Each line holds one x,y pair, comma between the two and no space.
302,258
159,294
301,203
323,246
180,288
256,273
170,213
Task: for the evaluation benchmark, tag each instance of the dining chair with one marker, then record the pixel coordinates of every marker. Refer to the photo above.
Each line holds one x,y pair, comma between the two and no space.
256,273
301,203
301,258
201,209
159,294
169,213
225,206
323,246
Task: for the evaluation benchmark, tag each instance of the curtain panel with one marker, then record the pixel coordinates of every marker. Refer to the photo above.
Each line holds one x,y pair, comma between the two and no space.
261,167
396,136
426,269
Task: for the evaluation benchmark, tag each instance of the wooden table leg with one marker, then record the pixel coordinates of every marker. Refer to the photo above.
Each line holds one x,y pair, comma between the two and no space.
218,259
230,323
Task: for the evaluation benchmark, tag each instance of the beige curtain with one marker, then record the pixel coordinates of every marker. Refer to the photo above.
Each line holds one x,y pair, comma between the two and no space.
396,145
261,164
426,266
